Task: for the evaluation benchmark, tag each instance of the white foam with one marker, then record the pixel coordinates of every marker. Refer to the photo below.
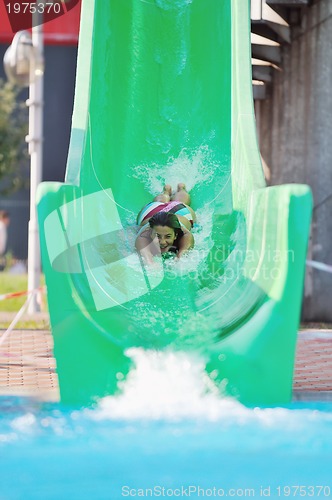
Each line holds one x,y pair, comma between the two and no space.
8,438
194,169
173,386
25,423
164,385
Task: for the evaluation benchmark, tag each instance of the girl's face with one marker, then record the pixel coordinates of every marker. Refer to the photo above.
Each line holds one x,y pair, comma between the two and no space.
165,236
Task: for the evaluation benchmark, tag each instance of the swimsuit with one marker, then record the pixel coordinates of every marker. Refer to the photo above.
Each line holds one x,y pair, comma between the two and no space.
172,207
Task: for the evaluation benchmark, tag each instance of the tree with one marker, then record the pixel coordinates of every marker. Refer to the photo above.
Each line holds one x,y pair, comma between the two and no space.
13,129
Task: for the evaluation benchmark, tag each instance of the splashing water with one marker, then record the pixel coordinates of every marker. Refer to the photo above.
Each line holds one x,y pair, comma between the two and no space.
172,316
194,169
173,387
171,391
169,427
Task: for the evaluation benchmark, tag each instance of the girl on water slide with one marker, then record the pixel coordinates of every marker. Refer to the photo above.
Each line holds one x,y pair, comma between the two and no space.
165,224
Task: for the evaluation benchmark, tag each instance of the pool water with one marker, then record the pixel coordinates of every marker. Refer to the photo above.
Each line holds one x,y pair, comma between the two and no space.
168,434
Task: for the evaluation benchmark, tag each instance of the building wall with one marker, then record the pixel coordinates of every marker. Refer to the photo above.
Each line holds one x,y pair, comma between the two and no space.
59,81
295,135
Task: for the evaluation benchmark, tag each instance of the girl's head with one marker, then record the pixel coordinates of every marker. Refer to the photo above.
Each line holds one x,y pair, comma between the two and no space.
167,228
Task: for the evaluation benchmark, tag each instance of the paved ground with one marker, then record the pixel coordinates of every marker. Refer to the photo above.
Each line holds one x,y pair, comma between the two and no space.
41,319
27,366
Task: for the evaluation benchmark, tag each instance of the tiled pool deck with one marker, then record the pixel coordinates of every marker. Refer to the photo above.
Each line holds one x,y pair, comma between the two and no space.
27,365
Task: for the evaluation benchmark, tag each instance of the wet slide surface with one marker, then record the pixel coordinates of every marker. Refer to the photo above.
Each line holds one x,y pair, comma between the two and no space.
163,95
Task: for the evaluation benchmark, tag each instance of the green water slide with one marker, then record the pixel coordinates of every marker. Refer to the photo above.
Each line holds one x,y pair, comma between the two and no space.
163,94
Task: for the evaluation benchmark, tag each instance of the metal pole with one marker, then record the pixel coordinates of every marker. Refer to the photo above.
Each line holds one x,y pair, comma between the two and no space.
35,141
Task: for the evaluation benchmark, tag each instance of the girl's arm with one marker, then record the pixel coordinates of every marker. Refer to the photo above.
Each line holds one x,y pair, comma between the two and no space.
145,246
186,243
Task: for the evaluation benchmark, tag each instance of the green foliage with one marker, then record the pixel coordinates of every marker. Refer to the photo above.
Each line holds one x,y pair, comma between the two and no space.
13,129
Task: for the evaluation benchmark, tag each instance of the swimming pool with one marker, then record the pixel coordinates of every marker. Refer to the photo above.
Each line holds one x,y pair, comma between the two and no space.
169,434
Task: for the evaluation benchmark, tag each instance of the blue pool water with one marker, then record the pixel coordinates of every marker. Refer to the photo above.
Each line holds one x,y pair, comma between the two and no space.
168,435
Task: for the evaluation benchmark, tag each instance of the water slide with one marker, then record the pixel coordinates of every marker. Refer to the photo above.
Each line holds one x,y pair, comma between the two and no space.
164,94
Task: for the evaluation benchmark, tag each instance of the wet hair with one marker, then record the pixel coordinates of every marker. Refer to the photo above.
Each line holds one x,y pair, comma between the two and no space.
167,219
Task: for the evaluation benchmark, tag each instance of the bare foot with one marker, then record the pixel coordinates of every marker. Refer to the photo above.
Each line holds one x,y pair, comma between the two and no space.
165,196
167,189
181,194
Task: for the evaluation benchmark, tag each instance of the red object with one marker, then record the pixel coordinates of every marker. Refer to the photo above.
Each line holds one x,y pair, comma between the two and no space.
60,26
18,294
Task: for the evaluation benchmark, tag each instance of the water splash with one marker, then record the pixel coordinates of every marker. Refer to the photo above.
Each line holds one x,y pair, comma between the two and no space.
174,387
163,386
195,169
